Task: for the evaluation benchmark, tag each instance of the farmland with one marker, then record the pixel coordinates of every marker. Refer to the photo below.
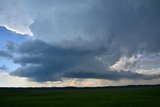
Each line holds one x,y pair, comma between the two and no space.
81,97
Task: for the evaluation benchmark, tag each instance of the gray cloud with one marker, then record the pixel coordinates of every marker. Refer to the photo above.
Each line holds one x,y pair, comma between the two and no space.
49,62
82,39
5,54
11,46
133,25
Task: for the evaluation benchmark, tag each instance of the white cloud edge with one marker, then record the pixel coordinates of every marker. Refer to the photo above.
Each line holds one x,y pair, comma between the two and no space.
25,32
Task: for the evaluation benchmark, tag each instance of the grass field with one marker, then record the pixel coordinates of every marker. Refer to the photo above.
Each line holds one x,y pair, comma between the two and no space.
109,97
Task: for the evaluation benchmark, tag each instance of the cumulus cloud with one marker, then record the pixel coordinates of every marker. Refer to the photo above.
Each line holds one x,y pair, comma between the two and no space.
149,72
124,64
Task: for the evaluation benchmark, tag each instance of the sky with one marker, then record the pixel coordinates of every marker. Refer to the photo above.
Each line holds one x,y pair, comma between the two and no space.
81,43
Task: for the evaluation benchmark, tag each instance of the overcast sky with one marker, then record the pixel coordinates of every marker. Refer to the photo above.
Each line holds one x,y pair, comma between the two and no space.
79,42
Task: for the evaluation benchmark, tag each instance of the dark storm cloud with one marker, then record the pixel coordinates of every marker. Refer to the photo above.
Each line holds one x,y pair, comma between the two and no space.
5,54
135,23
48,62
109,75
11,46
83,42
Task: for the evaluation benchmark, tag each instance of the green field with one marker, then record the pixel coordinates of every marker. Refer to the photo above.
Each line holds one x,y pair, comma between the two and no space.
109,97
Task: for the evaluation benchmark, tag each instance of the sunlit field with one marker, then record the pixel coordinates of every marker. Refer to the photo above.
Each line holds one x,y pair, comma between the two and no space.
70,97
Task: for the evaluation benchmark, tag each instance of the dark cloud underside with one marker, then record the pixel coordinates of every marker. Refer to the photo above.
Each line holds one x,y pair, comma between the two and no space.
48,62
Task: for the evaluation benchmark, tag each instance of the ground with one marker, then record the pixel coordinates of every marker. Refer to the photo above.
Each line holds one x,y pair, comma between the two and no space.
70,97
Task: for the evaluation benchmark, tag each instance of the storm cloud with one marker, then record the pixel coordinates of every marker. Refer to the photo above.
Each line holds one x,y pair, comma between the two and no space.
49,62
102,39
5,54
